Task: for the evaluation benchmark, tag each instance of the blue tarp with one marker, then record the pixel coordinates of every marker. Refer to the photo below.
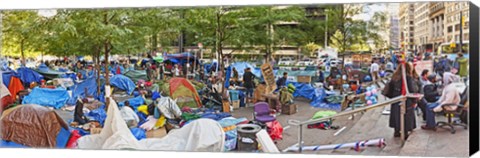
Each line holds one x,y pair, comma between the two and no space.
123,82
28,76
78,90
7,76
134,102
241,66
55,98
304,90
138,133
98,115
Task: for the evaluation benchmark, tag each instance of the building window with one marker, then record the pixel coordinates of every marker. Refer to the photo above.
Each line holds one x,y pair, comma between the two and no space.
450,29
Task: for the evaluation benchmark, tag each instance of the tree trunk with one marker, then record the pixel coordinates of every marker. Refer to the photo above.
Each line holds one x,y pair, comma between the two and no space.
219,49
97,67
22,44
154,42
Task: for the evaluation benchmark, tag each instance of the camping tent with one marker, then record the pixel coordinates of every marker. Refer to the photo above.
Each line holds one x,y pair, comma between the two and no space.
34,126
136,75
123,83
48,73
28,76
184,92
78,90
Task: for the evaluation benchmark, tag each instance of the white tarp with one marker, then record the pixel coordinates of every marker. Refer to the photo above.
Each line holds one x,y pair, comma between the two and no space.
169,108
199,135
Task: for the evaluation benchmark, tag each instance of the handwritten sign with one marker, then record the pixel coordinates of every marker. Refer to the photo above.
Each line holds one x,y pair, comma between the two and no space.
422,65
269,77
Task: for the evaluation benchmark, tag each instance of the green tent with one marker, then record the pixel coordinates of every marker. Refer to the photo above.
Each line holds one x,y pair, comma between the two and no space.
136,75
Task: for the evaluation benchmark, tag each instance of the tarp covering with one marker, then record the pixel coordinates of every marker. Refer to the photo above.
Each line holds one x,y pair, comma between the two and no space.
200,135
7,76
48,73
304,90
136,75
134,102
55,98
78,90
296,73
123,83
32,125
241,66
28,76
182,88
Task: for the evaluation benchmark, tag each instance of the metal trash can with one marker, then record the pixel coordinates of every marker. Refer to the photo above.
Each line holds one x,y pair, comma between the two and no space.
247,139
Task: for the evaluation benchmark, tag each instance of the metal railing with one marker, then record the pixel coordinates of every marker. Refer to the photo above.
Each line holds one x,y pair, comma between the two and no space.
401,99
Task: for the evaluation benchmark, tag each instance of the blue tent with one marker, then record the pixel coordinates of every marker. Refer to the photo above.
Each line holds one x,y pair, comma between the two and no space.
122,82
28,76
55,98
7,76
78,90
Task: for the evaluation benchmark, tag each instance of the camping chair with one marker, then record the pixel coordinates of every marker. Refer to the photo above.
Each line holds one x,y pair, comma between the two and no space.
451,113
262,113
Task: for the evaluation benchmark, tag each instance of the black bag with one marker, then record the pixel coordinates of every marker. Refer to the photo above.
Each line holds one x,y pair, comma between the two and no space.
387,90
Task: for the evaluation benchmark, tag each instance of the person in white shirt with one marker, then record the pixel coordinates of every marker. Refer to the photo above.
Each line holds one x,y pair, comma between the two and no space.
177,71
374,69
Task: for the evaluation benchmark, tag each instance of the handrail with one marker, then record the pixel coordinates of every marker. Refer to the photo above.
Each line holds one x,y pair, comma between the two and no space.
388,102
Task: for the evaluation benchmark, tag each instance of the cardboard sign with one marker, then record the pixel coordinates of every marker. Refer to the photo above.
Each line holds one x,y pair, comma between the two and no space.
422,65
269,77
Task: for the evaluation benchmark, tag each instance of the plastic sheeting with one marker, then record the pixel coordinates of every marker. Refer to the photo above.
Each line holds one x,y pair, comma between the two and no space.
7,76
134,102
55,98
169,108
304,90
34,126
138,133
98,115
123,82
296,73
78,90
28,76
136,75
200,135
241,66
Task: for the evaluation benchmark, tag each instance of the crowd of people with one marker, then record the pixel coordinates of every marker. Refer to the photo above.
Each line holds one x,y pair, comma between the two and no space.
438,88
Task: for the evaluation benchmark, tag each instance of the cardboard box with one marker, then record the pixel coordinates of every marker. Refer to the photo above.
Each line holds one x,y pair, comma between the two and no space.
226,106
289,109
236,104
304,79
158,133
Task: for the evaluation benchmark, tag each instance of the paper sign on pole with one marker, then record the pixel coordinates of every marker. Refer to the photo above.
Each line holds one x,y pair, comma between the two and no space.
269,77
422,65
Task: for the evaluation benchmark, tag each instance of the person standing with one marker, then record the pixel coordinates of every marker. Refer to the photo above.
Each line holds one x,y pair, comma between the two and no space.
374,69
176,71
463,65
248,78
282,82
393,90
